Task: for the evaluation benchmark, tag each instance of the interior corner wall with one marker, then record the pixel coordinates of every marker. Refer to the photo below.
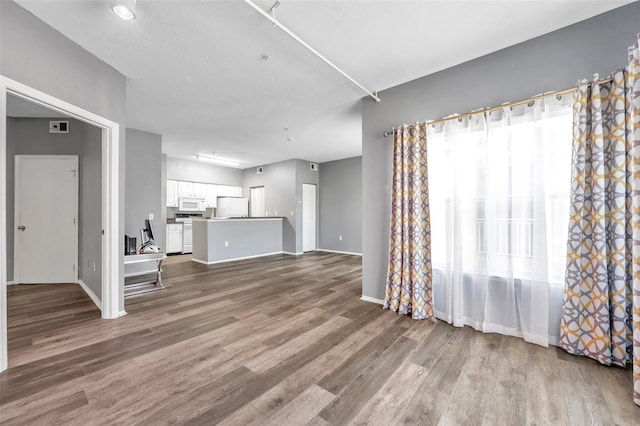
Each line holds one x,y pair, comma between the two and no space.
163,198
143,195
340,205
90,238
551,62
279,181
33,53
304,174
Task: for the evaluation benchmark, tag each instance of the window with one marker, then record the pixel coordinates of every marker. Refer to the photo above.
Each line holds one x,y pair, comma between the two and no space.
499,191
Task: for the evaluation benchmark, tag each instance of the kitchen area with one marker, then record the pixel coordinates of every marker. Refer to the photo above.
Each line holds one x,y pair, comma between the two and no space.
219,214
188,200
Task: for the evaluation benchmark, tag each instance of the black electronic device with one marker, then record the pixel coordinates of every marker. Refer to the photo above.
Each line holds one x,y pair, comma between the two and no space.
147,240
148,230
129,245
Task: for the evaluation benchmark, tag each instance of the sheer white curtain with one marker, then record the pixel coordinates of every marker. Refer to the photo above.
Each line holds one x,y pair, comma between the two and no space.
499,213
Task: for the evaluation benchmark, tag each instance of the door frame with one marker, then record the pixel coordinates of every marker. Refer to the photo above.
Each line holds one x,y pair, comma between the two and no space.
16,209
112,285
263,199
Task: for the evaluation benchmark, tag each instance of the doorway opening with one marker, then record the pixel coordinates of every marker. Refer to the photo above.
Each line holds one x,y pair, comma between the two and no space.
107,239
309,227
256,201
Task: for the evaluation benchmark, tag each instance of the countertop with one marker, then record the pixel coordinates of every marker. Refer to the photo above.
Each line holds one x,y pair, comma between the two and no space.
222,219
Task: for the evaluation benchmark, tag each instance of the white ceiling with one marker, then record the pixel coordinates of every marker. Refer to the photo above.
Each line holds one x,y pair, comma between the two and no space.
195,74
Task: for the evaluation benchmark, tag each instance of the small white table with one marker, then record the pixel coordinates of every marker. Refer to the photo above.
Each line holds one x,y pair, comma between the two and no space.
145,286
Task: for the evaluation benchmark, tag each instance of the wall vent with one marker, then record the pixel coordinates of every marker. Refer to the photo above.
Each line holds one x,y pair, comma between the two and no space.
313,166
259,170
58,127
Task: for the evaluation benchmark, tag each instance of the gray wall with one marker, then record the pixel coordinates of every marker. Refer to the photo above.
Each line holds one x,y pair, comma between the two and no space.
341,205
91,210
163,197
198,171
30,136
305,175
279,181
35,54
550,62
144,194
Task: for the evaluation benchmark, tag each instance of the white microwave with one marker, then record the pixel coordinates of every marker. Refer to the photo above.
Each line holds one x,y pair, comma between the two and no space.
191,204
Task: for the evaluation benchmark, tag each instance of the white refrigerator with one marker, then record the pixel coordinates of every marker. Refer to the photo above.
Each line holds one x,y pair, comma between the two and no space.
232,207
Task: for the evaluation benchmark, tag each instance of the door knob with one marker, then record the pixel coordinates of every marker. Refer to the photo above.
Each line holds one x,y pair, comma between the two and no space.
22,227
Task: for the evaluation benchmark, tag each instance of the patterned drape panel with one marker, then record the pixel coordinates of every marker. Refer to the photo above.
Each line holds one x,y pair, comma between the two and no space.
633,129
597,300
601,308
409,277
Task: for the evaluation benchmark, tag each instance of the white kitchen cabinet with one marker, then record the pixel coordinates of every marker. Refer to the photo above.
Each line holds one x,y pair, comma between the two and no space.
211,197
199,190
185,188
229,191
174,238
172,193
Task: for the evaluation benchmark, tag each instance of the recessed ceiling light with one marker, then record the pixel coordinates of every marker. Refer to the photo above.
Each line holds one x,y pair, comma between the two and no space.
291,139
123,12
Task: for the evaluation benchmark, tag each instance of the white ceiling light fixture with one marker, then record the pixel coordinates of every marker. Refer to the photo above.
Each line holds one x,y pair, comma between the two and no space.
218,160
287,31
124,11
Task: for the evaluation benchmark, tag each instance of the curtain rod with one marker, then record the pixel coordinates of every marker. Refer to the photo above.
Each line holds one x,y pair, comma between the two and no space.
291,34
499,107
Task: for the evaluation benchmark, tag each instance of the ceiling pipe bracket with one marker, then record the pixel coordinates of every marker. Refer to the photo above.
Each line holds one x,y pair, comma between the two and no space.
287,31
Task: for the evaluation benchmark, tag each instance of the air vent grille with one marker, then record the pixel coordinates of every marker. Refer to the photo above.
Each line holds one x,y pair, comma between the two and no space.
58,126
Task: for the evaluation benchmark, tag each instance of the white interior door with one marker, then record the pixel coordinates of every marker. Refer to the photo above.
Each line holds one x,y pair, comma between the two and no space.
46,206
256,201
308,217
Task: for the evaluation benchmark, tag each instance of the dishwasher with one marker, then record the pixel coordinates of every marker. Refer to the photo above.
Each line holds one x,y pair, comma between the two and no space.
187,230
187,236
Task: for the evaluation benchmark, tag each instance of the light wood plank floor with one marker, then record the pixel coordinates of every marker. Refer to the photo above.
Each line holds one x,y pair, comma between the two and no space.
282,340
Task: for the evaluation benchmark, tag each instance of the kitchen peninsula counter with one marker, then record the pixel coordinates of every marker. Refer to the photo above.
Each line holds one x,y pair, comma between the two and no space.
225,239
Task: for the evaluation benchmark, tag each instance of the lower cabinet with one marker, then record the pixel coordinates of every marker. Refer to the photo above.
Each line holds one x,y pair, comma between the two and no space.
174,238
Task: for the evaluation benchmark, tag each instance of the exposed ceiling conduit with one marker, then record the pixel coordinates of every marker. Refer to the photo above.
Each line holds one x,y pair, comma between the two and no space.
308,47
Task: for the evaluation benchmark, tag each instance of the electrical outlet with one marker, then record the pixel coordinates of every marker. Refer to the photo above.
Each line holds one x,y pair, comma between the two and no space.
291,212
94,266
340,237
226,243
87,263
266,213
276,213
150,216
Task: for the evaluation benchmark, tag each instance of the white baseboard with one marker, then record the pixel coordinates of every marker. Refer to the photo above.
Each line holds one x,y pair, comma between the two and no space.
372,300
235,258
292,253
91,294
11,283
122,313
341,252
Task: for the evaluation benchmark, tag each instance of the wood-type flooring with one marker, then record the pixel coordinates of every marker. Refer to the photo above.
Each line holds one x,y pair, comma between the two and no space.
282,340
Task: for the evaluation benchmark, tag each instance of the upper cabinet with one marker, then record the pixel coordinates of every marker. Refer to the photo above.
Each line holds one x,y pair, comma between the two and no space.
229,191
200,190
185,189
211,198
172,193
210,192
